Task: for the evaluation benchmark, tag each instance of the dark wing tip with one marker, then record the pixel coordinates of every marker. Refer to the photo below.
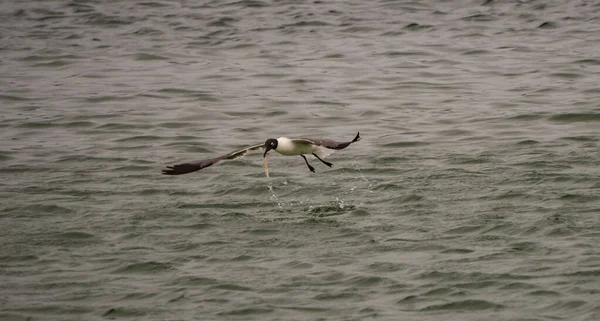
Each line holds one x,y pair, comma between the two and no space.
357,138
181,169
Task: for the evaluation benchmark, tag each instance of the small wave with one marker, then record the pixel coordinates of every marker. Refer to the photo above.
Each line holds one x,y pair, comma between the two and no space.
408,199
180,91
138,168
581,138
367,281
457,251
338,296
121,312
146,31
222,22
548,25
545,293
269,75
528,142
298,265
107,98
313,23
416,26
247,311
147,57
153,4
121,126
476,52
54,63
455,132
231,287
304,308
518,286
139,138
261,231
479,17
407,53
439,292
13,98
36,124
579,198
594,62
17,258
100,19
566,75
74,235
384,267
359,29
526,117
194,281
46,209
464,229
468,305
50,57
405,144
575,117
145,267
200,95
585,273
527,247
248,4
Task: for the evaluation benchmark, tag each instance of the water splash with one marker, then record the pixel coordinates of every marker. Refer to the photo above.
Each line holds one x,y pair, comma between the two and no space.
362,177
273,197
344,201
340,203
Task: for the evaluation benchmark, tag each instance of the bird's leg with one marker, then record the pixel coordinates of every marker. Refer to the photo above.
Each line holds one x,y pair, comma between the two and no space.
312,169
324,162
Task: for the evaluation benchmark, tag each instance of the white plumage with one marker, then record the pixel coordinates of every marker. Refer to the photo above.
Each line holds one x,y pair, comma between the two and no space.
295,147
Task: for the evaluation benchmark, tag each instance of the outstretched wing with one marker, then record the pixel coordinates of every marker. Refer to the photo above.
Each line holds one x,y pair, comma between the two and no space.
190,167
242,152
328,143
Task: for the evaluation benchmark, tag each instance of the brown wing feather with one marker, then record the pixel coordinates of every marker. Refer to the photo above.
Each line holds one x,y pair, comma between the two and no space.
190,167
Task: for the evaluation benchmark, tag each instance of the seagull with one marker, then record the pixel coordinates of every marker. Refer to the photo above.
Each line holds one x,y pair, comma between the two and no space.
318,147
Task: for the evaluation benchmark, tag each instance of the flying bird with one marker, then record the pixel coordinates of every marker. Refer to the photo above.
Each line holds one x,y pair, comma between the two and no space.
318,147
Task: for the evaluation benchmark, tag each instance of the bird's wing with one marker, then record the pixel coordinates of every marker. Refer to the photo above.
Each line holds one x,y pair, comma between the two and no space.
190,167
328,143
243,151
303,141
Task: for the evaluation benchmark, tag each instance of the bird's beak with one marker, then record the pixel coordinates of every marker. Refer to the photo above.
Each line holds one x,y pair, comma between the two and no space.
265,162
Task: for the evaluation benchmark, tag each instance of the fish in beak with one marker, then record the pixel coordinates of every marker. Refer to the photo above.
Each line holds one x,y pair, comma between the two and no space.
267,149
265,165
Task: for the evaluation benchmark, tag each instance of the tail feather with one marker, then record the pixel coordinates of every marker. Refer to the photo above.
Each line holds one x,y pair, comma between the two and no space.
323,151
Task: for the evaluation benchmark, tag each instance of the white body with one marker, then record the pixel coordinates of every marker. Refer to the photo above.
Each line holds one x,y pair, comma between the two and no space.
288,147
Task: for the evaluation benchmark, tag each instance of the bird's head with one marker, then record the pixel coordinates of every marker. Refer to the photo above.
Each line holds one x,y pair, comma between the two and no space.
271,143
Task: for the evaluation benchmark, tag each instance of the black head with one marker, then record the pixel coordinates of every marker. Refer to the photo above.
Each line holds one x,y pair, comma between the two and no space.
271,143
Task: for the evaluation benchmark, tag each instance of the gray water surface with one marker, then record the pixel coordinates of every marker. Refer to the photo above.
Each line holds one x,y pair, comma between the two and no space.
473,195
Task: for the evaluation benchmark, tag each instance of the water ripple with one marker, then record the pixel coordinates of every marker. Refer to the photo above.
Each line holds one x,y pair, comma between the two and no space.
472,192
